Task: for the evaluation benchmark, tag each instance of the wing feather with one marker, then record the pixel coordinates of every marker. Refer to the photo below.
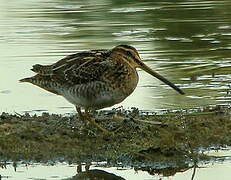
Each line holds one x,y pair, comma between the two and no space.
77,68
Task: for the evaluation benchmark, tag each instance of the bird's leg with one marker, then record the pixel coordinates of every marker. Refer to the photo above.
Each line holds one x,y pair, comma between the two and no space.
92,121
78,109
86,116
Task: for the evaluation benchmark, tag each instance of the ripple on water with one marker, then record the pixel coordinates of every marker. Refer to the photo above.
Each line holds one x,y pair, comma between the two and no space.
177,39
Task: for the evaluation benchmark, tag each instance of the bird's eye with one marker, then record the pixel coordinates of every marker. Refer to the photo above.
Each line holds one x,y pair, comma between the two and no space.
128,53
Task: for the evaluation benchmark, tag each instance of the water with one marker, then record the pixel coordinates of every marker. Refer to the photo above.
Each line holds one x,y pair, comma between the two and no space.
63,171
186,41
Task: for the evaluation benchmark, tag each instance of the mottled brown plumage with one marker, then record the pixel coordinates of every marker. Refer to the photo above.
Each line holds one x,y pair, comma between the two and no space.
94,79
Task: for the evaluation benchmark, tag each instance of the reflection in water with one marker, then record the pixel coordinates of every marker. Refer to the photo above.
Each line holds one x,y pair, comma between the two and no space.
94,174
206,171
100,173
166,172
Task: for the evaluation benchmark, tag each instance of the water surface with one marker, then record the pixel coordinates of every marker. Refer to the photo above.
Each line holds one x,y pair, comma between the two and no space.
186,41
64,171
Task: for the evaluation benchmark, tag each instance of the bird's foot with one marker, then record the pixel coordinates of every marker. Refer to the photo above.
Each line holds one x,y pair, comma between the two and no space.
92,121
86,117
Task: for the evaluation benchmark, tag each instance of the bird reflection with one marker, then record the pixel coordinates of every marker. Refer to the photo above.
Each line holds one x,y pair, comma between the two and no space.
94,174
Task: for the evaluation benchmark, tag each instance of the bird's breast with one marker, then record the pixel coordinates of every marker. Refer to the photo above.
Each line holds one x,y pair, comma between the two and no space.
111,90
124,80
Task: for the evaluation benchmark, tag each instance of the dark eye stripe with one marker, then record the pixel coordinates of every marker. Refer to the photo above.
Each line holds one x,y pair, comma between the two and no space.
129,53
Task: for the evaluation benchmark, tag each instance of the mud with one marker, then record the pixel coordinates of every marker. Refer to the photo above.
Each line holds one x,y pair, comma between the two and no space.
174,140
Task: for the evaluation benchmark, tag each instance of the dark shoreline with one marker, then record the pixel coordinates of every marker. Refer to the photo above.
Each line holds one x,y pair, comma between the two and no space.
174,138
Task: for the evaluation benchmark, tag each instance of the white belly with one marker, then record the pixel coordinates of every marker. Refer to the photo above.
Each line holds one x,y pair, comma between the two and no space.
98,95
94,100
99,102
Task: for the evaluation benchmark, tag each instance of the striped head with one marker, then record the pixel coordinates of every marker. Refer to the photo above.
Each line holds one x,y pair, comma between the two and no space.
131,56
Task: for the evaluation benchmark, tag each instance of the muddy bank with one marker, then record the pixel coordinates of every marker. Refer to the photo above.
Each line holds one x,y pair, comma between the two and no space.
144,139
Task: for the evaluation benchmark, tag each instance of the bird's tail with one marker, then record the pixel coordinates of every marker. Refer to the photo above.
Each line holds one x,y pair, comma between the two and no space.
26,80
43,82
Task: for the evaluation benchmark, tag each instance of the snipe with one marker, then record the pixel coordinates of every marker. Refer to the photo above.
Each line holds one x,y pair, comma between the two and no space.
94,79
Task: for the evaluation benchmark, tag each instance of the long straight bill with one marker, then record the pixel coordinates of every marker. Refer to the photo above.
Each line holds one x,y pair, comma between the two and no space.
158,76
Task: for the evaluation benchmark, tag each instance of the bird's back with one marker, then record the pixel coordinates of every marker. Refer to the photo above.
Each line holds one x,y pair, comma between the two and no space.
75,69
